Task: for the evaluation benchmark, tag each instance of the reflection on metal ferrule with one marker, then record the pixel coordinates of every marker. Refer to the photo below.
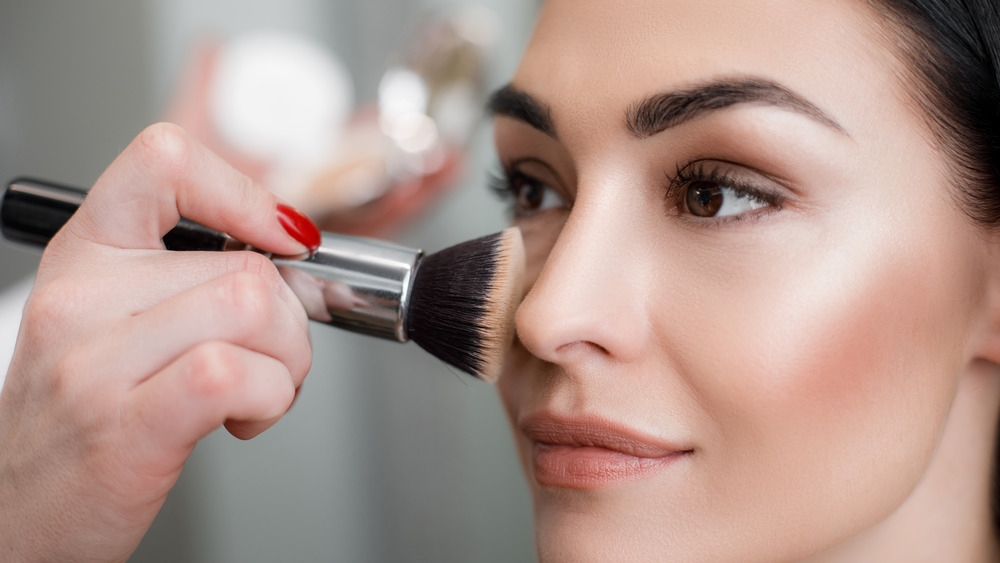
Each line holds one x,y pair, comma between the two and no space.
355,283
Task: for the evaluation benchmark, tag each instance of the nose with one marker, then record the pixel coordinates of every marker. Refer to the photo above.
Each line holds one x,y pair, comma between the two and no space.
587,302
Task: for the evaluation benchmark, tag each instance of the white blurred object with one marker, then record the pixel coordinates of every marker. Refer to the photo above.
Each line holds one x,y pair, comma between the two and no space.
12,302
403,98
280,99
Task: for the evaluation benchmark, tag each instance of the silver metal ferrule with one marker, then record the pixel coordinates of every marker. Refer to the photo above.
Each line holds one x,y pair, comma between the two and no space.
359,284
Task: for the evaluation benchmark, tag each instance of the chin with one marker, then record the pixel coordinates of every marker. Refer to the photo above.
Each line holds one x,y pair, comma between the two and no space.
644,522
616,523
582,535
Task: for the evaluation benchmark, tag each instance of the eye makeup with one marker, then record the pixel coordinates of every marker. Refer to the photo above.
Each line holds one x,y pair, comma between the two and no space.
720,193
704,191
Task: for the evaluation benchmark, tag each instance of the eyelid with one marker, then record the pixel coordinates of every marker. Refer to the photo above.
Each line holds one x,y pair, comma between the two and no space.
539,170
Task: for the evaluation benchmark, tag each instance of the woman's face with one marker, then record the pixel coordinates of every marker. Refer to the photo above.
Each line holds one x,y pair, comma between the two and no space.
751,292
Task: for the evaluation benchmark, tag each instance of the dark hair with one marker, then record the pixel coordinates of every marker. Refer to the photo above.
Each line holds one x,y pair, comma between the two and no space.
952,52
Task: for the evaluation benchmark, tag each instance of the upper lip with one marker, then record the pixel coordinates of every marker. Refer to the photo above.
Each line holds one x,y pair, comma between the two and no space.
594,431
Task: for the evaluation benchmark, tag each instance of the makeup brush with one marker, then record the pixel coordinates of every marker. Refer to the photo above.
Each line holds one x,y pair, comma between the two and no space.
457,304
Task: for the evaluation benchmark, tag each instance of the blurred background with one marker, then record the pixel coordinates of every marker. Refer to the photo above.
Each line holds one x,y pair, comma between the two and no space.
387,455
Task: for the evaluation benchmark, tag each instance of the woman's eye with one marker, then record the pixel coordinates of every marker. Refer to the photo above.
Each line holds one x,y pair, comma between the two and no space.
531,195
526,194
711,199
722,191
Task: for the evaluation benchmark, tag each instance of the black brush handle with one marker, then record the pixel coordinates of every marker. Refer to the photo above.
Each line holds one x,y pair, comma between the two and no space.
32,211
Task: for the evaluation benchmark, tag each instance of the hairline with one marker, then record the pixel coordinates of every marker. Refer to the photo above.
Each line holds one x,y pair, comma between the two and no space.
910,51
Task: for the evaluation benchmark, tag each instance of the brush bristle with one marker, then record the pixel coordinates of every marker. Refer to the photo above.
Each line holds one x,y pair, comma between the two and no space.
463,301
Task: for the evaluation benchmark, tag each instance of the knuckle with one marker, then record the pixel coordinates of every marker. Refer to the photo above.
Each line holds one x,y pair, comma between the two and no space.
73,380
164,146
214,368
254,263
250,299
52,306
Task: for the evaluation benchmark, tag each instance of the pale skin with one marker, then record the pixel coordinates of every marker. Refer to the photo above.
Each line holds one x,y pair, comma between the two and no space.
824,359
118,373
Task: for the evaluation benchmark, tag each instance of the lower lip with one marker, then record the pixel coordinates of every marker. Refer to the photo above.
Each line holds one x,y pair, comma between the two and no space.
588,468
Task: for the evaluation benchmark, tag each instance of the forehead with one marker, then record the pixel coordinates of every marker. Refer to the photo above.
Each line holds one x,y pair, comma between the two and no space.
591,56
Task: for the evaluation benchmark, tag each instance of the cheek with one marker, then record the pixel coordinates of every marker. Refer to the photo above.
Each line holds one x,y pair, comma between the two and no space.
844,345
827,368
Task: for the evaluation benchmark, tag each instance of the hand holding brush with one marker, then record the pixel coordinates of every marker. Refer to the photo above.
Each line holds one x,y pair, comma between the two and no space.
456,304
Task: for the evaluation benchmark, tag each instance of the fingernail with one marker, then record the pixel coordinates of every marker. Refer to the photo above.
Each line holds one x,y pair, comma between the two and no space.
299,226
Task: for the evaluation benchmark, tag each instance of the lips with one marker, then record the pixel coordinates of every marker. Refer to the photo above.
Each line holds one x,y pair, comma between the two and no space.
590,452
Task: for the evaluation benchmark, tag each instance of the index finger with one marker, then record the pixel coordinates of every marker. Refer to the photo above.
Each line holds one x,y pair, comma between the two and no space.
165,174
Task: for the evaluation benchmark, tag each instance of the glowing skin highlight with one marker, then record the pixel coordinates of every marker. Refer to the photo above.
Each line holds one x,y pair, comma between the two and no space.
758,327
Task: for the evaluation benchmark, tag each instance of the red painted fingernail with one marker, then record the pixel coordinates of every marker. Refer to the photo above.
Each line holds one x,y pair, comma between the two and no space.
299,226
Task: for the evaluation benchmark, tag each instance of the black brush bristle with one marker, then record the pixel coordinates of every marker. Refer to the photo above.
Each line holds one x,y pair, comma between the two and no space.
462,302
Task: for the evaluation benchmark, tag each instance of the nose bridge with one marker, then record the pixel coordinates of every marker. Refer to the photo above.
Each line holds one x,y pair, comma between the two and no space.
588,297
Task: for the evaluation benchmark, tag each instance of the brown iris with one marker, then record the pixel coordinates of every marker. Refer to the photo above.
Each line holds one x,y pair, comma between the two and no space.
703,199
529,193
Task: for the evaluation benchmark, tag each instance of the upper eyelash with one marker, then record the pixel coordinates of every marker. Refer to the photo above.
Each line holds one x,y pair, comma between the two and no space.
498,182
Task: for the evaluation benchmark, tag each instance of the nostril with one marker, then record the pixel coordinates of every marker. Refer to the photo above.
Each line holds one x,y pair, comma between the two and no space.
581,347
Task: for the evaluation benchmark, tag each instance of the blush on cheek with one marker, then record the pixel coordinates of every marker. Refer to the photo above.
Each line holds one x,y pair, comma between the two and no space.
873,341
837,378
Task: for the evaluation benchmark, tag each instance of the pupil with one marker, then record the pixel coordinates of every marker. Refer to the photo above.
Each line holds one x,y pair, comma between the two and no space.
532,195
704,199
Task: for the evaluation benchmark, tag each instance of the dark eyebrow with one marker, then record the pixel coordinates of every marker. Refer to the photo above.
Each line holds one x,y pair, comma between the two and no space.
670,109
511,102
